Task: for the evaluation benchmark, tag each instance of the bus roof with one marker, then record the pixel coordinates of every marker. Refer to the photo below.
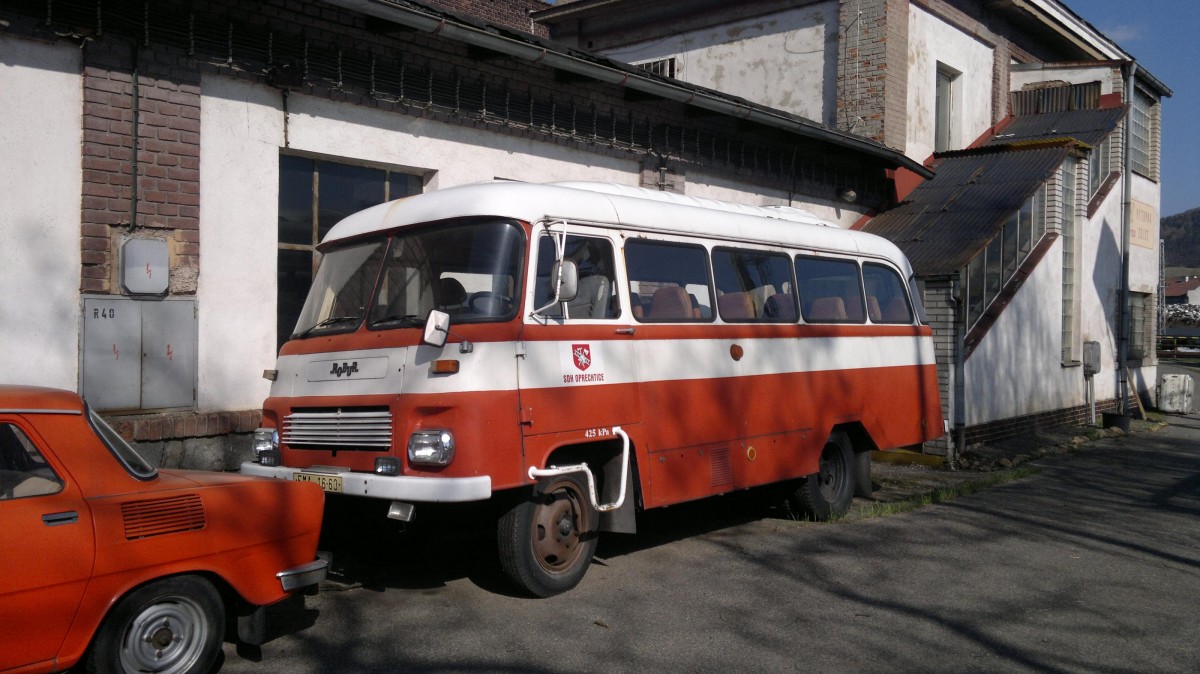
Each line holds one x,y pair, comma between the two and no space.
628,207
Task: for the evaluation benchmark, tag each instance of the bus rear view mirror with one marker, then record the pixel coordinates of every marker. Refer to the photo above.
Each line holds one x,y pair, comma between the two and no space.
437,327
568,279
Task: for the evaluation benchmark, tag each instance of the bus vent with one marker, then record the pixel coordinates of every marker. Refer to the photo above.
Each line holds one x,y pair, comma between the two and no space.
722,467
366,428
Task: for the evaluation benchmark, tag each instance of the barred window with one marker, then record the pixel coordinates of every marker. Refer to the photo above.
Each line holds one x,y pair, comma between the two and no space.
1141,147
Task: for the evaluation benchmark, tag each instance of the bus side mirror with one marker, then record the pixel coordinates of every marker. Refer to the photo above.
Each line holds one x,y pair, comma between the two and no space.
568,285
437,327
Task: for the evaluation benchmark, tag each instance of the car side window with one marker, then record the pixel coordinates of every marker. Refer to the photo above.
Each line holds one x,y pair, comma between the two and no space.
23,470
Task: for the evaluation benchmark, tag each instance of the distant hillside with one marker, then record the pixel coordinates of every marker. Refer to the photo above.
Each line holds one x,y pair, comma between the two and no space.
1181,232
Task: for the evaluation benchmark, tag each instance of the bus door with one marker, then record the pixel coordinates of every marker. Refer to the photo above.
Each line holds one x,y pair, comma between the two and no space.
575,361
689,423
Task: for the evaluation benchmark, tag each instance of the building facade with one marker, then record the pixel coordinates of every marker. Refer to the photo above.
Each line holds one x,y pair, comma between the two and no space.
172,166
1037,239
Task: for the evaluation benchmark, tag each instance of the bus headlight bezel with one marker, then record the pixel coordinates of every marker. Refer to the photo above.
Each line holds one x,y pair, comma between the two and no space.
431,447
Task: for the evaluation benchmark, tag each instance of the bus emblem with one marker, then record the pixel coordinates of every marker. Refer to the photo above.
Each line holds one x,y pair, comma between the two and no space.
582,354
347,369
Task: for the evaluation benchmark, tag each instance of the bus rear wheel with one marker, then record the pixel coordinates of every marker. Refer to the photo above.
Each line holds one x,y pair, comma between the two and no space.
827,493
548,537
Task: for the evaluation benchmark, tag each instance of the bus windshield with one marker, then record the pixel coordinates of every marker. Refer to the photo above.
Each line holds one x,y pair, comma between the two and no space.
469,269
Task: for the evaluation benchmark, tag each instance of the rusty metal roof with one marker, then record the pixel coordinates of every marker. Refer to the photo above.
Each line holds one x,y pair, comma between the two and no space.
949,218
1086,126
954,215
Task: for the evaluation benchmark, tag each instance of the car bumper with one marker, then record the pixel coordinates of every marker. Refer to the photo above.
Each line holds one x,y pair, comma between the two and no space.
299,577
399,488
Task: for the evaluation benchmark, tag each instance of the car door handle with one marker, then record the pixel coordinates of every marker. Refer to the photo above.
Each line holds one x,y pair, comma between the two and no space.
56,519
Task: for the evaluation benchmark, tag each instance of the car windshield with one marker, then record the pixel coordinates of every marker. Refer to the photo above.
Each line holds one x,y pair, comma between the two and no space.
469,269
128,456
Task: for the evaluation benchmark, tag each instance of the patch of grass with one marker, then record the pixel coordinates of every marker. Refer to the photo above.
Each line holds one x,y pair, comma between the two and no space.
939,495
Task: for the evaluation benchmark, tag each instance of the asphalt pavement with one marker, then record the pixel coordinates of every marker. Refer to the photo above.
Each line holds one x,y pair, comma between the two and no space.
1090,564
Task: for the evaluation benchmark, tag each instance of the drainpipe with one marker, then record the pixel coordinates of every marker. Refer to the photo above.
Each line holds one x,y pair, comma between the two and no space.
1126,216
960,368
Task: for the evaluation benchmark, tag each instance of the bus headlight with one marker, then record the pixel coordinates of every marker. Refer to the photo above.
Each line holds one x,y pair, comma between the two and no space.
431,447
265,439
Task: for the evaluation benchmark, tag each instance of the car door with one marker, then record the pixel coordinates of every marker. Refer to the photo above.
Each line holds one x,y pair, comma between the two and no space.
47,544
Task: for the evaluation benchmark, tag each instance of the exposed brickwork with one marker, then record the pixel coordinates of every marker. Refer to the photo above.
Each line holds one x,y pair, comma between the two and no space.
1012,427
941,312
872,81
510,13
179,425
153,105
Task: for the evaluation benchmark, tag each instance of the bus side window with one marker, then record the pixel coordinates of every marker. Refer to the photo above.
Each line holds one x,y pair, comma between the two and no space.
886,299
671,280
830,290
596,296
753,286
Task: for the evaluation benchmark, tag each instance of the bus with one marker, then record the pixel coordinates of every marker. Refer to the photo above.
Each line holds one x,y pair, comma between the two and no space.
576,353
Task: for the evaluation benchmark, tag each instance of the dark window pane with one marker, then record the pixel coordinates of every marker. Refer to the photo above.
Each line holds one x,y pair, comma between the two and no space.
403,185
295,278
345,190
295,200
669,280
754,286
830,290
887,301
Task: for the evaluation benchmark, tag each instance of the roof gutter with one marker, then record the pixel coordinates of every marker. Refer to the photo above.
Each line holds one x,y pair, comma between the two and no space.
451,29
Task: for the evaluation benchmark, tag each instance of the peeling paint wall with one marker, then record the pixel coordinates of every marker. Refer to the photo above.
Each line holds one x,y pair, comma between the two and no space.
786,60
41,103
932,41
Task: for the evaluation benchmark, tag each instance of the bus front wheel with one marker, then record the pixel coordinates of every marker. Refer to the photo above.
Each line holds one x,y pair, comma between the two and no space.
547,537
827,493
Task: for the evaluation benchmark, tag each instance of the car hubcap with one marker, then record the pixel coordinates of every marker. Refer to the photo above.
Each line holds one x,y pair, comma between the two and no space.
165,637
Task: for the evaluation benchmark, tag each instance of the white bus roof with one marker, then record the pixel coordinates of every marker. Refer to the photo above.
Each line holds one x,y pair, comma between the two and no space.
621,205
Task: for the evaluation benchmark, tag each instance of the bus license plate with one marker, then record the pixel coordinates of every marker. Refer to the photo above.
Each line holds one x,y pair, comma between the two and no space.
330,483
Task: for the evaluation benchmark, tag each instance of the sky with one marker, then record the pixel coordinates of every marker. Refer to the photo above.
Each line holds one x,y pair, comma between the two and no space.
1163,36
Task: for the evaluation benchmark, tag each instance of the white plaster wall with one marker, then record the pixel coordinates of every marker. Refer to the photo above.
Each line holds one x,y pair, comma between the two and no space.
786,60
712,187
932,41
41,103
242,132
1023,74
1017,368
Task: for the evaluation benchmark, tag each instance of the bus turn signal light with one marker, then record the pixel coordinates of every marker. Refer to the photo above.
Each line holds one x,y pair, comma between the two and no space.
448,366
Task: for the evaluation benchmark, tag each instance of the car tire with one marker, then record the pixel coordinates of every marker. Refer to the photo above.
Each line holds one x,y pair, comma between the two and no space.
547,538
170,626
827,494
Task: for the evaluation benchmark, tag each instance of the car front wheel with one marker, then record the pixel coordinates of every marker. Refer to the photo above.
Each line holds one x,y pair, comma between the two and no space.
173,626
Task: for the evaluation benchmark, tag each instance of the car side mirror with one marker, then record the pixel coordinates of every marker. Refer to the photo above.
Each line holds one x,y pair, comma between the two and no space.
437,327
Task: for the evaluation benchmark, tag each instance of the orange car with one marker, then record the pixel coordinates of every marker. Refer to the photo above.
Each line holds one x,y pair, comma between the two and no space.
105,558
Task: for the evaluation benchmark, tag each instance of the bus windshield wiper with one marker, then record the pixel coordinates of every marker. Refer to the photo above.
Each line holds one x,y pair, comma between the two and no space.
324,323
397,318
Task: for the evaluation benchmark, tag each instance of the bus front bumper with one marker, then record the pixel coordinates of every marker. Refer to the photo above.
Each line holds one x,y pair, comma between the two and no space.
370,485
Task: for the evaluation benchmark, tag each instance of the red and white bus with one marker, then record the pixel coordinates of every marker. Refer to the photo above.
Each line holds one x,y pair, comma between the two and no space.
576,352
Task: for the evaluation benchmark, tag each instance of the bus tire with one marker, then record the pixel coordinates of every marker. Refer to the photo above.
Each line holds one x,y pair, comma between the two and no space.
547,538
827,493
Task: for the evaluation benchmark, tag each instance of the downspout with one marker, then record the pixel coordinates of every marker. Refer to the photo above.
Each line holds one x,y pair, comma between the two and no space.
960,368
1126,216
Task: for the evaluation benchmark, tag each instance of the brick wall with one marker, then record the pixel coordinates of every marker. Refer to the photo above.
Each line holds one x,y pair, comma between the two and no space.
941,312
139,99
510,13
872,80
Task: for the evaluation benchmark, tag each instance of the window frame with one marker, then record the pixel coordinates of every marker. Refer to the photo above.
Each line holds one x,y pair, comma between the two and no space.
631,278
760,312
852,318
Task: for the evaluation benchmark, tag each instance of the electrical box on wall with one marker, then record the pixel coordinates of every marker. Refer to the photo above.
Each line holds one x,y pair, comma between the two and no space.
139,355
145,267
1091,358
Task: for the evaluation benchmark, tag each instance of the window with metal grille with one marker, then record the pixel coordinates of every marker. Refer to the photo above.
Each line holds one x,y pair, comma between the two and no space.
664,67
1141,325
1071,344
1099,166
314,194
1141,147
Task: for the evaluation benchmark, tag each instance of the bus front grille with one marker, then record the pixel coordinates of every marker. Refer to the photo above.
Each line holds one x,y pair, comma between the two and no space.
350,428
